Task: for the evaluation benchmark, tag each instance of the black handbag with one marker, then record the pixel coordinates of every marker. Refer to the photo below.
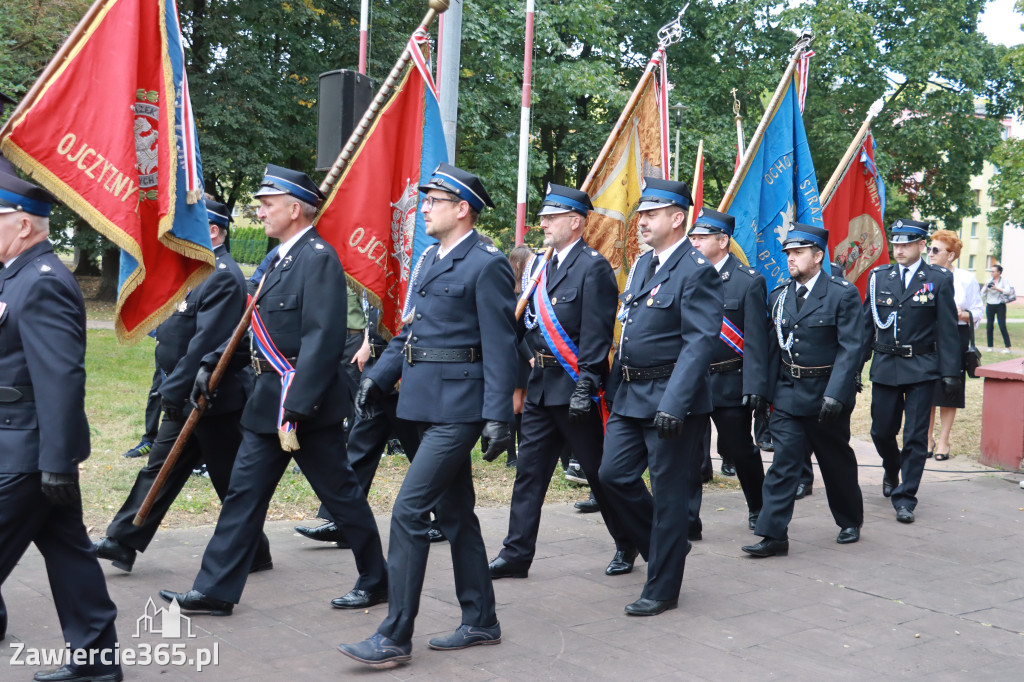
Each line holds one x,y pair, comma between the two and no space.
972,356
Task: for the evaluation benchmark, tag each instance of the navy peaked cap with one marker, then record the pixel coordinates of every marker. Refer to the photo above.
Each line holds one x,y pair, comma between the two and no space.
18,195
462,184
280,180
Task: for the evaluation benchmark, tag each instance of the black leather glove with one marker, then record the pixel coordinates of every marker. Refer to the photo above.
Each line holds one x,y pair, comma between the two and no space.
830,410
367,399
758,404
61,489
668,425
858,383
171,410
581,402
294,417
950,387
201,387
496,438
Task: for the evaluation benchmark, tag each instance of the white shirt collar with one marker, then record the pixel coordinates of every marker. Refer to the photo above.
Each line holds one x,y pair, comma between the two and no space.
564,253
720,264
667,253
10,262
913,269
810,283
283,250
441,253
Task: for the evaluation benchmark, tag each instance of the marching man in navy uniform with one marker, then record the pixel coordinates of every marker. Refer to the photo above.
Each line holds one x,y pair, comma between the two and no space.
659,395
44,435
812,368
456,357
739,364
911,320
203,321
570,323
299,394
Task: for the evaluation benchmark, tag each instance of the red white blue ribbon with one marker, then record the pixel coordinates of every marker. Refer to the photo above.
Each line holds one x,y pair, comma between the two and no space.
732,335
278,361
562,347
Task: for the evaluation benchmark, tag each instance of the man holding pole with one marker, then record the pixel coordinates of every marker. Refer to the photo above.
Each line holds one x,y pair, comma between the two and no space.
570,324
671,315
739,361
202,322
298,317
456,358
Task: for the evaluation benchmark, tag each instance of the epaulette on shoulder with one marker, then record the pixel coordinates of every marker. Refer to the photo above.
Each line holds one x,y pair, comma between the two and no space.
782,284
43,268
749,272
938,267
880,268
318,245
698,257
840,280
488,248
593,253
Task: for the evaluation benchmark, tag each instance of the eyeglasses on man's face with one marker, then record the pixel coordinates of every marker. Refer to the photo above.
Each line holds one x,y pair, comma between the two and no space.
428,202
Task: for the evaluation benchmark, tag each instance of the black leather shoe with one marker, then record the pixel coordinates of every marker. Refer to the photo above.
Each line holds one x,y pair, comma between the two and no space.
752,519
436,535
121,556
622,562
848,536
327,532
466,636
378,651
262,563
66,674
650,607
500,568
696,531
767,446
904,515
804,489
588,506
768,547
888,485
198,602
728,468
360,599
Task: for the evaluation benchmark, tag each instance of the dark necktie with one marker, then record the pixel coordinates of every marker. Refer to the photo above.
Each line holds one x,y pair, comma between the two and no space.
651,268
270,268
905,280
801,291
553,265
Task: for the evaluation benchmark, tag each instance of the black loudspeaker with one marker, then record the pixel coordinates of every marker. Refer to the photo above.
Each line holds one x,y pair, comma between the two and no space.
344,97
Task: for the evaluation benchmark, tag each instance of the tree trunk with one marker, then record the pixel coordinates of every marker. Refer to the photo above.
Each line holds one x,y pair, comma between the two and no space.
111,264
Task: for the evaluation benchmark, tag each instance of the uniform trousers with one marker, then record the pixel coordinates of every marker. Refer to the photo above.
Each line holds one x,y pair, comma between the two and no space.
153,406
657,520
546,431
258,469
440,478
737,445
214,441
793,434
910,404
367,439
79,589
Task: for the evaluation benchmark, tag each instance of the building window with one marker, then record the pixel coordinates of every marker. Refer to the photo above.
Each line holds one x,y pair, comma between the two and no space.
977,197
970,263
974,229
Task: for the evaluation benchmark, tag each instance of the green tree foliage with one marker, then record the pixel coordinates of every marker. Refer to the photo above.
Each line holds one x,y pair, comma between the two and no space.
1007,191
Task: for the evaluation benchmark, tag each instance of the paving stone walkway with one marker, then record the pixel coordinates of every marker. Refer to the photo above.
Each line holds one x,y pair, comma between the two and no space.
942,598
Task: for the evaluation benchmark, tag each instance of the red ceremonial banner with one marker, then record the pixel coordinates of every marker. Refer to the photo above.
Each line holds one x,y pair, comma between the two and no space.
108,130
854,219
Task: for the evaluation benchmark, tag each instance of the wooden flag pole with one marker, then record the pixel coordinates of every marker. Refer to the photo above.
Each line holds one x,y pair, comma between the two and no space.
844,164
436,7
696,178
755,141
524,298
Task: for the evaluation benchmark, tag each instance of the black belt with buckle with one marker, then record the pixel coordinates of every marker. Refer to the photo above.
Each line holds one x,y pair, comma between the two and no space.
800,372
377,349
541,360
904,351
646,373
726,365
414,354
17,394
260,365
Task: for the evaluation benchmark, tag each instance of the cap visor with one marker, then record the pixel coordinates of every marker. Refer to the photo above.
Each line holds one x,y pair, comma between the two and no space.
268,192
652,205
554,210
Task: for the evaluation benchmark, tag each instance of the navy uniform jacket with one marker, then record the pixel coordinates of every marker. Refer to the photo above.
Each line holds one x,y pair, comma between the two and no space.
675,318
42,345
303,304
827,331
465,300
745,294
925,316
583,294
205,320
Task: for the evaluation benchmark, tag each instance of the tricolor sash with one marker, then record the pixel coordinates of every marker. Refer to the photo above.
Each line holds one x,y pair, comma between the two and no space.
278,361
731,335
562,347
